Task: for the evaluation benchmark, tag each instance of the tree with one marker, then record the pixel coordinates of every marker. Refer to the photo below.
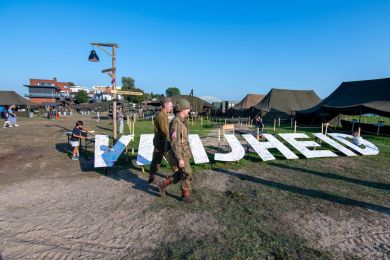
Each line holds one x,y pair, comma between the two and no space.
71,84
128,83
173,91
81,97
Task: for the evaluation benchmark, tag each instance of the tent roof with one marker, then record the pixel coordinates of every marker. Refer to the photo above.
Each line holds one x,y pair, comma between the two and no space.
356,97
197,104
248,101
12,98
287,101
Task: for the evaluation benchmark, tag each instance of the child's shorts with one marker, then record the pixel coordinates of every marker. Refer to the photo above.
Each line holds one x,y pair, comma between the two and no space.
75,143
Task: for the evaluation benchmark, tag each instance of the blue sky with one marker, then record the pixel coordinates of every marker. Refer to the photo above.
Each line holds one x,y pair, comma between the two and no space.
218,48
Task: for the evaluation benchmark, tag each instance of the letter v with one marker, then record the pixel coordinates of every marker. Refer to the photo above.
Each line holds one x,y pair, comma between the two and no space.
106,156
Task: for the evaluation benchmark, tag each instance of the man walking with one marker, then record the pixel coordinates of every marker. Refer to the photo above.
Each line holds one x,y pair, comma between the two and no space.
161,141
181,149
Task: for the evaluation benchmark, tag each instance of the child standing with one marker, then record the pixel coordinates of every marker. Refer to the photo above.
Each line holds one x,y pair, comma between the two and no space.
75,139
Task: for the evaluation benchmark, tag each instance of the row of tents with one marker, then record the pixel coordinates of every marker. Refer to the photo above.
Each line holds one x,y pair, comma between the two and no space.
350,98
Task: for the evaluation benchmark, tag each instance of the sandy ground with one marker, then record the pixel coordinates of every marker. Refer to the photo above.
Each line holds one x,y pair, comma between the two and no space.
54,208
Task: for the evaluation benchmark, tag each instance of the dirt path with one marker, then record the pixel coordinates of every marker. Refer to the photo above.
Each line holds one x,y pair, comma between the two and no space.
55,208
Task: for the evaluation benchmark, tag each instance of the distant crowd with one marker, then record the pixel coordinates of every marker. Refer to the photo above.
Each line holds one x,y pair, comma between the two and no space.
9,116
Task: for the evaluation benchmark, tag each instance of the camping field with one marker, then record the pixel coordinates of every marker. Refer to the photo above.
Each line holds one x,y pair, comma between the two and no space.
54,208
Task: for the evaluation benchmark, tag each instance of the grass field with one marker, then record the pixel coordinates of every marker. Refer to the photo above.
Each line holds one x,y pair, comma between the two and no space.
264,208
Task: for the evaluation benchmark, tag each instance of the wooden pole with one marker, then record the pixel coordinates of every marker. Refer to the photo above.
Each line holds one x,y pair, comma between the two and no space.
326,128
274,125
377,133
322,128
225,121
219,137
115,136
359,131
257,134
295,126
279,122
152,121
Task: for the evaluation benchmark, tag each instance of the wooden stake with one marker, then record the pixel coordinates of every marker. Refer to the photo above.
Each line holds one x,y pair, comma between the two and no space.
359,131
257,133
326,128
219,137
278,121
322,128
295,126
274,125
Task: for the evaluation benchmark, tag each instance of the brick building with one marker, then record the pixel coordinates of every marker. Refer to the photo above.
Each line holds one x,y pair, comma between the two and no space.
47,90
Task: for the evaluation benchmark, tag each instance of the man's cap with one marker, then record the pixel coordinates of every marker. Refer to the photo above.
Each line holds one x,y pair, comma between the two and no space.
183,104
166,100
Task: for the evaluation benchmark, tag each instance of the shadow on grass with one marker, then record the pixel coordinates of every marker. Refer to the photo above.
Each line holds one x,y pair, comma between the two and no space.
103,128
138,183
308,192
329,175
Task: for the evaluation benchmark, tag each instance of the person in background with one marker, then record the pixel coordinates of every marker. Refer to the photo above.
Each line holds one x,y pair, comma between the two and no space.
259,123
357,139
120,120
4,115
75,139
12,115
97,116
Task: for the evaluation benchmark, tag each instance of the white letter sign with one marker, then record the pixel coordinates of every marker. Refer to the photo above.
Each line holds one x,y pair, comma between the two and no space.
261,148
236,154
106,156
197,149
301,146
370,148
335,144
145,149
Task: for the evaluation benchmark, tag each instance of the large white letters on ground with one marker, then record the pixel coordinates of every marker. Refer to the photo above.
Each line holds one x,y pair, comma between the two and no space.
197,149
236,154
301,146
261,148
145,149
106,156
370,148
335,144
